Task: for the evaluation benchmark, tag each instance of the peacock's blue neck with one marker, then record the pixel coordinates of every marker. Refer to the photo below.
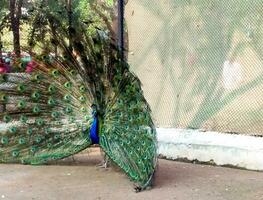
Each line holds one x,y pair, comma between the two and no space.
94,130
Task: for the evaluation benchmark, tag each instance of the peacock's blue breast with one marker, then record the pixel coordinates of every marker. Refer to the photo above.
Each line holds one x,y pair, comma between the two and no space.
94,131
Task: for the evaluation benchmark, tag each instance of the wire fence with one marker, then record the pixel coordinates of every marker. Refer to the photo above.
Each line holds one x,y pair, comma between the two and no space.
200,62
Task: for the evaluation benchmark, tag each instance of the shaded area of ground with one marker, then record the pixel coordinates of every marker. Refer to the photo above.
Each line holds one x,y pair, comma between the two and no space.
80,179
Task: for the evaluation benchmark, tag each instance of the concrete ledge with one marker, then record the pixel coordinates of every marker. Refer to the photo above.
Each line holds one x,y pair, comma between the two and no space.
211,147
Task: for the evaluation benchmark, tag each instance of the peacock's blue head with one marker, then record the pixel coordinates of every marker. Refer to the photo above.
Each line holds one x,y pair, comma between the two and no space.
94,110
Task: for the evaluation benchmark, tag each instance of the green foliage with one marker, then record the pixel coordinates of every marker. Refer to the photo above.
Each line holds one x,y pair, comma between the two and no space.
36,24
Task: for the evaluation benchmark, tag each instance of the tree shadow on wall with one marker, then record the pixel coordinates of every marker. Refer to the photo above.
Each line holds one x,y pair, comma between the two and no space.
201,36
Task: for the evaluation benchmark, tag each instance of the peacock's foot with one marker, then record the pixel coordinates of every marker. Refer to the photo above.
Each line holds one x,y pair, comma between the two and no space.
139,189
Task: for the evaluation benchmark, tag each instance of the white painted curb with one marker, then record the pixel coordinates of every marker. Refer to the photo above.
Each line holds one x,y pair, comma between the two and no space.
220,148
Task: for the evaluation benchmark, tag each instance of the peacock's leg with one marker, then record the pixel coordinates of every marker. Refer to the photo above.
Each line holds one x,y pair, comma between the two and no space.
105,163
73,159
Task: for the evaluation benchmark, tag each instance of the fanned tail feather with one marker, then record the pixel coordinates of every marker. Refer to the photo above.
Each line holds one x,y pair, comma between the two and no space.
43,114
46,115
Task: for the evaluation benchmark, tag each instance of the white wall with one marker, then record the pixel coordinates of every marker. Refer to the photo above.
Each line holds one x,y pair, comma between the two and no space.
218,148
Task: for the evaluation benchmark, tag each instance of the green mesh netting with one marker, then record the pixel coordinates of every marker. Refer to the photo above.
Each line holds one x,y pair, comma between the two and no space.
201,62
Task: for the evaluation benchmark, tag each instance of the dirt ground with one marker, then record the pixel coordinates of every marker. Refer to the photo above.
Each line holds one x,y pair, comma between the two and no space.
81,179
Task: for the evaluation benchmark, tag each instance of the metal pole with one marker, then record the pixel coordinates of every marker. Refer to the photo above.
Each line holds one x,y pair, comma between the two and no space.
121,27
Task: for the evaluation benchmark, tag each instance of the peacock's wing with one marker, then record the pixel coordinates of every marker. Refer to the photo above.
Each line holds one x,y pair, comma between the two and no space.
43,114
128,135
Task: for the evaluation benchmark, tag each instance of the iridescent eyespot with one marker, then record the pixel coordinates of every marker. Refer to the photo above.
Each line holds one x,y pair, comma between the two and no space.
67,97
38,139
22,141
68,85
55,114
36,109
21,104
55,72
47,131
15,153
4,98
4,140
51,101
57,136
82,88
83,109
82,99
35,95
21,88
23,118
33,149
39,122
72,72
7,118
37,77
68,109
51,89
29,131
12,129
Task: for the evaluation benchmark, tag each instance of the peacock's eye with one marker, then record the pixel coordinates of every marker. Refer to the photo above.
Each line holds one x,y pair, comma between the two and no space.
87,117
47,131
49,145
66,140
4,98
15,153
7,118
68,85
67,97
68,109
39,122
51,89
72,119
55,114
82,88
21,88
72,72
37,77
22,141
21,104
51,101
33,149
29,131
82,99
12,129
38,139
83,109
4,140
57,136
36,109
36,95
55,72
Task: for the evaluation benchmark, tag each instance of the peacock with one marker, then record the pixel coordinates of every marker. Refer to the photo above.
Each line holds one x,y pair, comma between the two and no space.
85,95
